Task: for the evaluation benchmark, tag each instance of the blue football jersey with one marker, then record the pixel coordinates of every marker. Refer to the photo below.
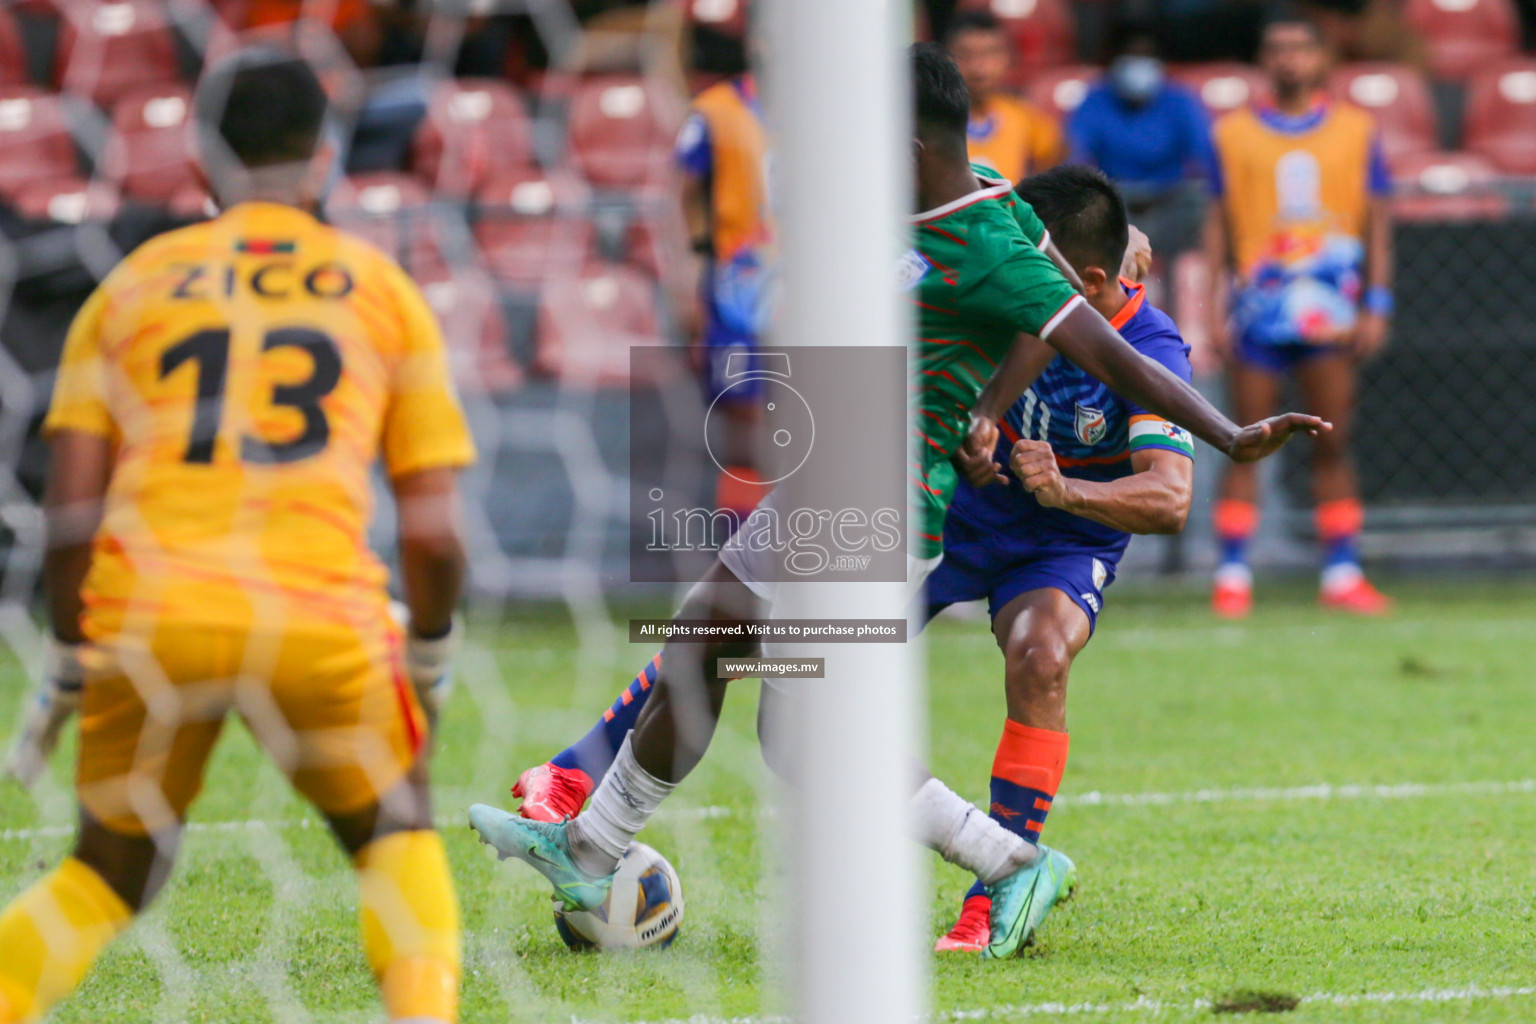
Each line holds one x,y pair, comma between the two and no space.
1093,431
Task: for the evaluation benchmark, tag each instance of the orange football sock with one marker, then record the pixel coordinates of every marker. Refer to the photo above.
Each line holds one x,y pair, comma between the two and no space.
1026,772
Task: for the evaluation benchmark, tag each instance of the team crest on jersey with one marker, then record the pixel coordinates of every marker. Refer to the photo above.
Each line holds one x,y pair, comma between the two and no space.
1091,424
910,269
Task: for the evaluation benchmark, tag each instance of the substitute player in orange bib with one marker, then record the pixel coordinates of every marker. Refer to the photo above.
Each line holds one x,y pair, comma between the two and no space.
1301,217
223,397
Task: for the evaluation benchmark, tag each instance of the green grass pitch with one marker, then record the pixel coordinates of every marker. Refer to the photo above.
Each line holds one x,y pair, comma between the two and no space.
1204,872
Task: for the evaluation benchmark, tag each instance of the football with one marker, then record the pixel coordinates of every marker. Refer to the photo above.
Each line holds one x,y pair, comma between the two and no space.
644,907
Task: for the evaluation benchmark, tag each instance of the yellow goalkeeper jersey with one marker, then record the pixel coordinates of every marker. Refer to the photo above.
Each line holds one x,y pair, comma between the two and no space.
249,371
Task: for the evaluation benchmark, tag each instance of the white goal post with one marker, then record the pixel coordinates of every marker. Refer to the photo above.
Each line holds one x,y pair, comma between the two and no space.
836,88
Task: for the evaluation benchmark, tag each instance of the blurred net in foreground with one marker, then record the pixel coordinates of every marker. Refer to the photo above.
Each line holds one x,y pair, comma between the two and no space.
518,163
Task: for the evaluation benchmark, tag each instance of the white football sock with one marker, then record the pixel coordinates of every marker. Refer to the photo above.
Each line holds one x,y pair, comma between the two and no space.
1234,574
962,834
1340,576
623,803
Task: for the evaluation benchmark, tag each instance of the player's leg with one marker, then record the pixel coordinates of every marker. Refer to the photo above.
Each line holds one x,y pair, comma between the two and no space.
1040,632
737,402
137,773
337,713
558,789
670,736
940,818
1254,382
1328,384
408,907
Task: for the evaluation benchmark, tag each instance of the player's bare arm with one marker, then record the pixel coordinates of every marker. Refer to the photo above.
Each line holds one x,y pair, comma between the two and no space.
1370,334
684,280
1026,360
1153,499
1086,338
72,504
431,548
1217,253
432,567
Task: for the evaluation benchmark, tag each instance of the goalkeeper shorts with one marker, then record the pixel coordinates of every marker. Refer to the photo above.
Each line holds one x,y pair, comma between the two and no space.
332,708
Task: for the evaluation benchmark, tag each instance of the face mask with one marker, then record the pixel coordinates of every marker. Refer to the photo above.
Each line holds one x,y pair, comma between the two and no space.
1136,79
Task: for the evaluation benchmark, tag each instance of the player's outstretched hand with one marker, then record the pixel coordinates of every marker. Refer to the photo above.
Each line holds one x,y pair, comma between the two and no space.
974,460
1034,463
1264,438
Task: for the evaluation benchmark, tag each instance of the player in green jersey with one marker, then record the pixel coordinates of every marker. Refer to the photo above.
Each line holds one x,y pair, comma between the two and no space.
984,291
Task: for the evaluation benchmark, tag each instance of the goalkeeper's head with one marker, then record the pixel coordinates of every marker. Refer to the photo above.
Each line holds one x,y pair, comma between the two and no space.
260,127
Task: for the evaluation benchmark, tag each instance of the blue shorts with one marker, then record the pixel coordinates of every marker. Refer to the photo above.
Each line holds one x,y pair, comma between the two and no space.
969,573
1281,358
723,378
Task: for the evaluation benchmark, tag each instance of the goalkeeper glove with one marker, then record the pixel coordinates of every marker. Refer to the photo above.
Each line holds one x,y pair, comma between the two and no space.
428,662
56,699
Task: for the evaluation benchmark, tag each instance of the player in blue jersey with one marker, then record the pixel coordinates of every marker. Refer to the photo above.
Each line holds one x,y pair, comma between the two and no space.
1040,539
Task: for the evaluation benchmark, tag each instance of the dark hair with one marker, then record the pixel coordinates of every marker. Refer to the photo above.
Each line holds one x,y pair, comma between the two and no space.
1084,213
975,20
941,105
1287,14
1133,31
266,104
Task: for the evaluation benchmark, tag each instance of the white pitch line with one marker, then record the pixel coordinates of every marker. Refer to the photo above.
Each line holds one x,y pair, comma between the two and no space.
1463,994
21,835
1321,792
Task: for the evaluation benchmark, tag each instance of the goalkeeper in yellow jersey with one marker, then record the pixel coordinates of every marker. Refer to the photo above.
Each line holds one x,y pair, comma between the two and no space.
222,399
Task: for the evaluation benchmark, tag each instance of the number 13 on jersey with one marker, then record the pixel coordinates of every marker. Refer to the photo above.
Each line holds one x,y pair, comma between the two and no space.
209,352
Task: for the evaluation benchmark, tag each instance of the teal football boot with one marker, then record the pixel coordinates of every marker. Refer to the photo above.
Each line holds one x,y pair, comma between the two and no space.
544,845
1021,901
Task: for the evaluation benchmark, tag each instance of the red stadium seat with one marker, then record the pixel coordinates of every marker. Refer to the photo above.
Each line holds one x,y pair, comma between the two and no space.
474,127
1062,89
655,240
1224,85
1462,36
621,132
1447,186
1043,32
108,47
68,201
150,154
524,226
1399,99
35,141
1501,116
13,52
389,209
589,320
469,311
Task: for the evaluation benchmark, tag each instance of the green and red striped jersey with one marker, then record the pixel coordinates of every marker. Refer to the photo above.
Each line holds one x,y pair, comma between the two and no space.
979,277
